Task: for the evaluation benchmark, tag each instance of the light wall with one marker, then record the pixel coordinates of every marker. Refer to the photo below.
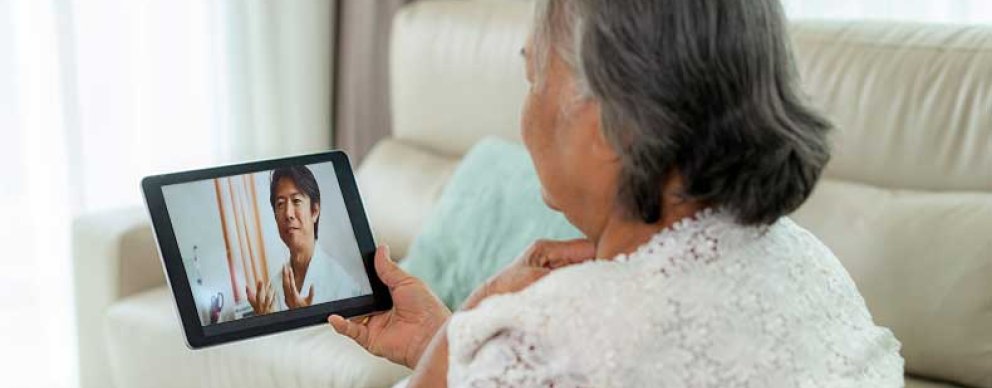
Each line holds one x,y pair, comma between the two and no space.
931,11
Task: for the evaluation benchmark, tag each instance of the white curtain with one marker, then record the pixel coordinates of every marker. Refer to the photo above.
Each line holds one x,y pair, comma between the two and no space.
936,11
94,94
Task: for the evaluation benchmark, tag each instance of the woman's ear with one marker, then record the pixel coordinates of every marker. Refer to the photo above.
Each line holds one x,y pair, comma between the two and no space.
600,147
315,211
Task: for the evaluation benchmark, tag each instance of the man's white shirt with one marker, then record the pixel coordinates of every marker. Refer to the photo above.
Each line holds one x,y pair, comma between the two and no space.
329,280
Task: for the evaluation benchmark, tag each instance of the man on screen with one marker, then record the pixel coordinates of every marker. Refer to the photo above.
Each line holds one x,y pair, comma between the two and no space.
309,272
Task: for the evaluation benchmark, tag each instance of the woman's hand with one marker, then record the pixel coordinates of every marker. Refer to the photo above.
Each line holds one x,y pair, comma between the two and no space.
542,257
538,260
402,333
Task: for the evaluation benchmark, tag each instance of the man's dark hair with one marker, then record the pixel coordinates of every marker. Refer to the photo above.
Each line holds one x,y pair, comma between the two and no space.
304,181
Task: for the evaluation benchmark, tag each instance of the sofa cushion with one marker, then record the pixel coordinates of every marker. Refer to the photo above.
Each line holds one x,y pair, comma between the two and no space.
490,211
400,184
923,261
912,382
146,349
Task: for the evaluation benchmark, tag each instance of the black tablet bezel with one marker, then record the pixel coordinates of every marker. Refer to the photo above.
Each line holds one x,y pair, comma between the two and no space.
199,336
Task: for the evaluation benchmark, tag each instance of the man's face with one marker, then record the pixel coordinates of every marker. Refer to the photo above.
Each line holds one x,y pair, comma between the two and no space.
295,216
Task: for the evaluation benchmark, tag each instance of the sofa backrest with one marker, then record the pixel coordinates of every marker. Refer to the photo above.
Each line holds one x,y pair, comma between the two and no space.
456,72
912,103
906,202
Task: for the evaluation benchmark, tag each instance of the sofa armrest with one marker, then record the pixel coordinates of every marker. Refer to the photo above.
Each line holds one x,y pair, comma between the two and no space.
114,256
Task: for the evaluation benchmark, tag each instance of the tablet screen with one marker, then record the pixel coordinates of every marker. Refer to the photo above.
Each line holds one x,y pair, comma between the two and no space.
265,242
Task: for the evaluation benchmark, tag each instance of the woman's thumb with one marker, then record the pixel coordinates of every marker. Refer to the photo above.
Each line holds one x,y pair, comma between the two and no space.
390,273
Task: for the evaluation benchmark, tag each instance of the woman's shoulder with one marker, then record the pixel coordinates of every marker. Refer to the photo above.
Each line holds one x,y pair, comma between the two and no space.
574,291
575,313
704,291
709,255
676,265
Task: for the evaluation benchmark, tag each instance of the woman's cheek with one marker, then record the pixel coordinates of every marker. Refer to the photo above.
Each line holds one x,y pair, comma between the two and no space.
536,131
526,121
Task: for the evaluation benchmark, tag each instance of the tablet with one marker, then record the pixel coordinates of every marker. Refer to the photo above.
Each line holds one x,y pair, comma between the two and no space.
264,247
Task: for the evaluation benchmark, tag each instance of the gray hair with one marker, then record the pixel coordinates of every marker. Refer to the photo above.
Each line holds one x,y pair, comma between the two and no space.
703,87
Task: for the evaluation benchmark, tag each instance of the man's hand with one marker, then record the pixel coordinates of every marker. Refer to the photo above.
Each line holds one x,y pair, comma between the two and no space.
542,257
402,333
293,297
262,298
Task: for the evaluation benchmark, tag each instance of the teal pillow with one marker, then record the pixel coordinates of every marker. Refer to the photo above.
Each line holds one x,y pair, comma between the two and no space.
489,212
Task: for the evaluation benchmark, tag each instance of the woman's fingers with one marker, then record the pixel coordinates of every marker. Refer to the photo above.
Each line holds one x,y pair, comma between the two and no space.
555,254
390,273
357,332
578,249
572,252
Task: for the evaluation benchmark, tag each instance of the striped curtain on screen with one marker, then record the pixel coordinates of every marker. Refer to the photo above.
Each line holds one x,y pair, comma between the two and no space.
237,202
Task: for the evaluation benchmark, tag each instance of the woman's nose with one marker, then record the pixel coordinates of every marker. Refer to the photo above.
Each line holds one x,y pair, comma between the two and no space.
288,213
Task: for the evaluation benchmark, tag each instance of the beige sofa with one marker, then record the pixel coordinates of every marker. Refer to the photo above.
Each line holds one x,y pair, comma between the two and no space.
906,203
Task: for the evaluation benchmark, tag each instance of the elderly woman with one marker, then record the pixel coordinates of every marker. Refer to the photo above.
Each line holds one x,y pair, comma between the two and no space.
673,135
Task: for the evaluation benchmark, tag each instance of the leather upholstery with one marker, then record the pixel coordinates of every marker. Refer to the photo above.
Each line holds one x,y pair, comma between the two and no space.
147,350
913,382
913,103
112,259
922,262
399,185
456,72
